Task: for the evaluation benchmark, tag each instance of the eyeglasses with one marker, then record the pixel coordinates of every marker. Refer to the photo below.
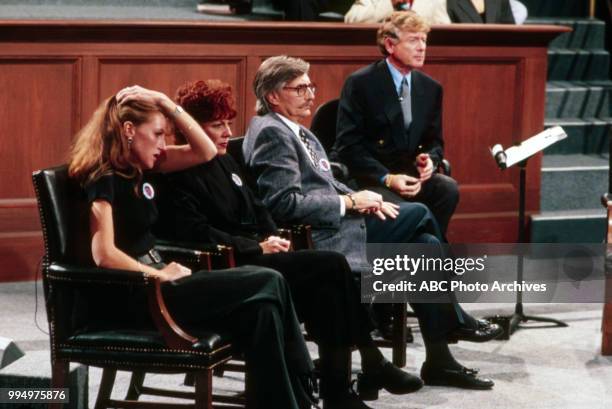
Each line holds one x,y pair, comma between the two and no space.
301,89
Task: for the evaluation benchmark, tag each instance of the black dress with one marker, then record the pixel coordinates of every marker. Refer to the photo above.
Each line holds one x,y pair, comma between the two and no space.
496,12
253,304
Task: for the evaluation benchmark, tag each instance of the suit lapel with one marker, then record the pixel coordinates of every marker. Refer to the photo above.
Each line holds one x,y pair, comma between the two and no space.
470,11
390,100
490,10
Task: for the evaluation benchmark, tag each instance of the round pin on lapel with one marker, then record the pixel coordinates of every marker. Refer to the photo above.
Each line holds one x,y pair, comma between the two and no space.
237,180
148,191
324,164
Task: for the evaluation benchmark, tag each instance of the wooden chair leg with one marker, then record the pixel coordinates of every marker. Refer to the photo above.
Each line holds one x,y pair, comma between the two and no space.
59,375
606,329
399,334
136,382
106,388
203,389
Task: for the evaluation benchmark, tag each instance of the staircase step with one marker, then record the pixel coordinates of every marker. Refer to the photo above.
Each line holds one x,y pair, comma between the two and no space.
588,136
578,99
573,182
586,34
577,226
575,64
557,8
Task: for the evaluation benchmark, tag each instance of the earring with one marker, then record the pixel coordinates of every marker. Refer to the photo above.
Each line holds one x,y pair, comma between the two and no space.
129,142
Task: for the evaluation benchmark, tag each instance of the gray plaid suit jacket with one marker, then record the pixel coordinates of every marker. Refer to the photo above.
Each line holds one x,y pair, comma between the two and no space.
297,191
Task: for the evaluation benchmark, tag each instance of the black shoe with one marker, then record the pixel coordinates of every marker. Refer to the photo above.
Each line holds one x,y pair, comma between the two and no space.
484,331
385,331
465,378
348,401
388,376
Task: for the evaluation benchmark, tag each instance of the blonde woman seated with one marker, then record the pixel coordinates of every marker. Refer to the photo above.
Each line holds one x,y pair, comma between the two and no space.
112,158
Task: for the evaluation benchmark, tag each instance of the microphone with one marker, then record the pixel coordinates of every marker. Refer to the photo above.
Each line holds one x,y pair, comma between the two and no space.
500,156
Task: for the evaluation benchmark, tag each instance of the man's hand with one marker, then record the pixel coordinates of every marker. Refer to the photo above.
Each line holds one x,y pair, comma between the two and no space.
404,185
364,201
174,271
424,166
387,209
275,244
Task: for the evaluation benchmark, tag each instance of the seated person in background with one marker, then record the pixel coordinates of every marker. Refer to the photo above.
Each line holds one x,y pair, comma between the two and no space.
375,11
390,122
111,157
295,183
211,203
480,11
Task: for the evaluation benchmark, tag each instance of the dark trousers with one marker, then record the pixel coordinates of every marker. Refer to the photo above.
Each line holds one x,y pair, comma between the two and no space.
416,224
327,300
440,194
254,305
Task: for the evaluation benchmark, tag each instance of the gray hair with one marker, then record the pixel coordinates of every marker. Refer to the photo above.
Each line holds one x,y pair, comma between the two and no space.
272,75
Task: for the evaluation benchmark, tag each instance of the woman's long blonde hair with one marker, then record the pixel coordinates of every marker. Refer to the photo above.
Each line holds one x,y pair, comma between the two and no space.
100,148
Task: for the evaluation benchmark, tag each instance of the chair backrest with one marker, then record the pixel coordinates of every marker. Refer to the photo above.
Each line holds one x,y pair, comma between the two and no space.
234,148
324,124
64,217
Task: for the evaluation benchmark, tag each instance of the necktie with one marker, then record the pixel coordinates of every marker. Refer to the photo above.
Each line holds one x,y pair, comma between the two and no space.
311,152
406,103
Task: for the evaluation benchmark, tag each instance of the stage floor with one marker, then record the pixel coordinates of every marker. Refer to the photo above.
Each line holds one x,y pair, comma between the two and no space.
552,368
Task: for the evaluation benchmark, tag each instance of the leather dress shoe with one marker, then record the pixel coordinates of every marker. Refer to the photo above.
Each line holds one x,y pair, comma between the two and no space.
484,331
465,378
345,401
389,377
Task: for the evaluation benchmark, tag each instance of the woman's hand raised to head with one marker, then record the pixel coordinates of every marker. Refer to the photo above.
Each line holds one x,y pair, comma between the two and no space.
138,93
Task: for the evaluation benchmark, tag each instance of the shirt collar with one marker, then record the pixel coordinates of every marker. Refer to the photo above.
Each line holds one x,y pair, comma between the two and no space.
398,77
295,128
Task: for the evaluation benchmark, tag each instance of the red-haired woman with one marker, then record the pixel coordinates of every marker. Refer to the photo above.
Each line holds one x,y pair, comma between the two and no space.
211,203
112,157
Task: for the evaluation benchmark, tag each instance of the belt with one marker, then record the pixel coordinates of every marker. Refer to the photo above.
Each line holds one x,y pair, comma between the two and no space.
150,257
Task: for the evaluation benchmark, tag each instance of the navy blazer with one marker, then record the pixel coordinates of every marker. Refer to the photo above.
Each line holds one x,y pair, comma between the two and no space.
372,140
496,12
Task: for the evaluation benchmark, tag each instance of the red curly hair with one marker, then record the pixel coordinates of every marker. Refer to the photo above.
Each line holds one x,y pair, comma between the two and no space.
207,101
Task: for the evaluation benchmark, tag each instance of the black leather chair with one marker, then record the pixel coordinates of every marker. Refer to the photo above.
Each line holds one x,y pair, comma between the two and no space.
70,276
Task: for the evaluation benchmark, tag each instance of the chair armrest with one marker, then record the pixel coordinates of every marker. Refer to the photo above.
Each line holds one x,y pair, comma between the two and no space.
218,256
339,170
189,256
444,167
299,234
69,275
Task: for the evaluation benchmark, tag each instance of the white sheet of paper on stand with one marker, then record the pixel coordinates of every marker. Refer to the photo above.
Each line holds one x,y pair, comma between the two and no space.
528,147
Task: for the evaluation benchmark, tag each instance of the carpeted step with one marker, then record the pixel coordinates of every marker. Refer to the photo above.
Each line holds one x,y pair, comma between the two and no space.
569,226
586,34
577,99
584,136
557,8
577,65
573,182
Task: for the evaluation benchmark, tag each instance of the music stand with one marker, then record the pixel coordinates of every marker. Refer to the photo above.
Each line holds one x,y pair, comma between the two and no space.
519,155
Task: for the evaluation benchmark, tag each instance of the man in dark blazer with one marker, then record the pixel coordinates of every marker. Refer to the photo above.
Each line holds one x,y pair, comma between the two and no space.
295,182
390,122
480,11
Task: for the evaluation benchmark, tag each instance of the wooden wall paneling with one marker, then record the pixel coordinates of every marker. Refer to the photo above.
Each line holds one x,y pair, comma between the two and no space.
166,74
51,86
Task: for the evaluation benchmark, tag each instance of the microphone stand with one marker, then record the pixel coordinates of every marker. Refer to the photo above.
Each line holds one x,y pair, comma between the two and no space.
512,323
